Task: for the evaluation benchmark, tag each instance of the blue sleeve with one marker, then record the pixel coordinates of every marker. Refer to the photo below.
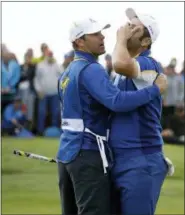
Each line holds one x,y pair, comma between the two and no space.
8,113
148,64
97,83
16,74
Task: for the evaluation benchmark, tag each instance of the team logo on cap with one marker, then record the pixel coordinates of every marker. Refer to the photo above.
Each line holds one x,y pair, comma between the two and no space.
74,23
79,33
93,21
150,29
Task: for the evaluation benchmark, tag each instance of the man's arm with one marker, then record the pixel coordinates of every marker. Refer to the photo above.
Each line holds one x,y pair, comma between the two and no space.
143,70
36,81
149,70
8,113
100,87
179,90
16,74
123,62
57,70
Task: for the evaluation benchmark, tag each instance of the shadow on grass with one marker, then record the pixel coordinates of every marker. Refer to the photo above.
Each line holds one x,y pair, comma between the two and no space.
176,177
11,171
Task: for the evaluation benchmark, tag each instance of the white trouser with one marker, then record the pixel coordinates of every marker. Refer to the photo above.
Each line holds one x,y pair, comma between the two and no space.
101,147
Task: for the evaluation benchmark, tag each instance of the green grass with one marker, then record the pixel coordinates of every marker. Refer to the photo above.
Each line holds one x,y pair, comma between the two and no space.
31,186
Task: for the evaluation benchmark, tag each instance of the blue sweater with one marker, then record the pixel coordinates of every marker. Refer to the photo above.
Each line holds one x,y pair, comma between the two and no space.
89,107
10,75
139,128
11,113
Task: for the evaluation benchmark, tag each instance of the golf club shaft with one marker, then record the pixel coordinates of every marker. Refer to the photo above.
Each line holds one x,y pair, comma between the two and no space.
34,156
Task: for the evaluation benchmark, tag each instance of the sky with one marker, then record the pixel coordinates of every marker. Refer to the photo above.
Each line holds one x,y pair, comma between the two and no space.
28,24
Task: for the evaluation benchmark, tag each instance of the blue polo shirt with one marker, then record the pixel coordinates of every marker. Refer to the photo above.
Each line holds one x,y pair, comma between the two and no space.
139,128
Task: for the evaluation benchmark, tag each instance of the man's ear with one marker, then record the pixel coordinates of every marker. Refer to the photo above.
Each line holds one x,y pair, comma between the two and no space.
80,42
146,41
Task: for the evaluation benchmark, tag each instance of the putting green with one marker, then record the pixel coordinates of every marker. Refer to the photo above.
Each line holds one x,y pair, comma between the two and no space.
31,186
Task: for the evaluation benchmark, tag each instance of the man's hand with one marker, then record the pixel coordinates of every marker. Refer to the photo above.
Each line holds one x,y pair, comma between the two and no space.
125,32
161,82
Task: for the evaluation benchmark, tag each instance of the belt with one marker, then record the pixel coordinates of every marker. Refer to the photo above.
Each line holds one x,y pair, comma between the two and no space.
101,147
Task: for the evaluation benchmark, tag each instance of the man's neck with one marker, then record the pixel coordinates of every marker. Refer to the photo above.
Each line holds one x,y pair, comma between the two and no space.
65,65
86,51
135,53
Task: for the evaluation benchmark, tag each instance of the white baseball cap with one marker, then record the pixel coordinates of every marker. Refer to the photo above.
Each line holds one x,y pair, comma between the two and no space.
86,26
148,21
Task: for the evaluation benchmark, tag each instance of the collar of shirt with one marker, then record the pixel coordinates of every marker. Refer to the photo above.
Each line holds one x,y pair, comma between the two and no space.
85,55
145,53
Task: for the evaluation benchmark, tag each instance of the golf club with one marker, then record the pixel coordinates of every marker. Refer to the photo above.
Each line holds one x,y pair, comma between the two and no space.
34,156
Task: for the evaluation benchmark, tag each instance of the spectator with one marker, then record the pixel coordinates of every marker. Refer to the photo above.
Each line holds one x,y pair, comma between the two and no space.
183,71
46,81
4,48
10,75
171,94
180,88
175,133
68,58
26,86
14,116
109,67
171,68
44,50
29,53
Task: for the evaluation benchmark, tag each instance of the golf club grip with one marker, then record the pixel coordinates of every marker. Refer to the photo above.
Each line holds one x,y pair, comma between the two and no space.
34,156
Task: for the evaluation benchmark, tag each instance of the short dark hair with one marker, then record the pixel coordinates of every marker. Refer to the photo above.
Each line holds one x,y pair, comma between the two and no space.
146,34
43,45
75,46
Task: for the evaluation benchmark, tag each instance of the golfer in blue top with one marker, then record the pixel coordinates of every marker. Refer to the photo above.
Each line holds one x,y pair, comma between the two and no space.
135,136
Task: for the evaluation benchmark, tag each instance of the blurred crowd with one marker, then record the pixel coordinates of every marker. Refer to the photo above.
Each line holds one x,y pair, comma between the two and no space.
29,93
173,118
